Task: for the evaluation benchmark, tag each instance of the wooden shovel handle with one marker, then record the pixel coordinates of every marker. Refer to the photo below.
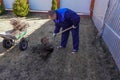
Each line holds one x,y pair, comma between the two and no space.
64,30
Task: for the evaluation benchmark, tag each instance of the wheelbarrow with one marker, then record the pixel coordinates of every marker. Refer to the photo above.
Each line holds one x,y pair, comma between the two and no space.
10,40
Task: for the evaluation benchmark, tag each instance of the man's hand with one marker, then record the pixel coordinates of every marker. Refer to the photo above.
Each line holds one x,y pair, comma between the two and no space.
54,35
74,27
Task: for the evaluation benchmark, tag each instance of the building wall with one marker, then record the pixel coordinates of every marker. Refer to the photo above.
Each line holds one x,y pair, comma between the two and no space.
99,11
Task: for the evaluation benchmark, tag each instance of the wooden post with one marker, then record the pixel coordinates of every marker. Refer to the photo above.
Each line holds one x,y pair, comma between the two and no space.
92,7
28,1
1,1
58,3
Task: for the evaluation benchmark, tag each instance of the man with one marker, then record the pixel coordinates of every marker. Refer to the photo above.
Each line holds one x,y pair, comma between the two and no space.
65,18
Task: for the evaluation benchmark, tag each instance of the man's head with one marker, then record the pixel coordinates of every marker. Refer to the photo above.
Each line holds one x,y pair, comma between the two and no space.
52,14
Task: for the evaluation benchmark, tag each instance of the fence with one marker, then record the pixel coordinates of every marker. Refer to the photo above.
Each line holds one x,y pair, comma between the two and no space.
111,33
80,6
42,5
111,29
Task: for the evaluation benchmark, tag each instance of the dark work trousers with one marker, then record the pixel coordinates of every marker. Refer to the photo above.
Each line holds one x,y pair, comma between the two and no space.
75,38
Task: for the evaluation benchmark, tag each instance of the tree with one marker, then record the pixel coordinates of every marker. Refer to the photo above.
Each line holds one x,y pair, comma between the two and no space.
21,8
54,5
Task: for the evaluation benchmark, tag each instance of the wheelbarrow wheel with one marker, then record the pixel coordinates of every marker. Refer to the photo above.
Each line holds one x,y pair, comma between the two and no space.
23,45
7,43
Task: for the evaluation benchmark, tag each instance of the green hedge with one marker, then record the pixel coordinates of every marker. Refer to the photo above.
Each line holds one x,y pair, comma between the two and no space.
54,5
21,8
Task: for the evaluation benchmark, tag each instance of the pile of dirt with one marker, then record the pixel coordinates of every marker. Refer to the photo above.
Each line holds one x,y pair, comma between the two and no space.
43,50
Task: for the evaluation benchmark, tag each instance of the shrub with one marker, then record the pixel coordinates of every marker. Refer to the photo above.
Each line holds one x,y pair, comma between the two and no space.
21,8
54,5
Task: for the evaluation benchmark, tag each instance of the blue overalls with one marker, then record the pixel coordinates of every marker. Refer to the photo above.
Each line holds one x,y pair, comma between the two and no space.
67,18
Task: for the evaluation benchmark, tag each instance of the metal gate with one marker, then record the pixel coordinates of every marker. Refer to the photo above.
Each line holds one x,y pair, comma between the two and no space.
111,31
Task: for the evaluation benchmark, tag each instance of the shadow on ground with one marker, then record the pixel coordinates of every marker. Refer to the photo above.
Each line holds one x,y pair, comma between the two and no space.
31,16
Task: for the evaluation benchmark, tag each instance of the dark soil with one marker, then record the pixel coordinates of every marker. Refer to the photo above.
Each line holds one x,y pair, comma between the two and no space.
43,50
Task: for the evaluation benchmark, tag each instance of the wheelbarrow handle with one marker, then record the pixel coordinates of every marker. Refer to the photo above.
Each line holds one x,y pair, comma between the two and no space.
6,36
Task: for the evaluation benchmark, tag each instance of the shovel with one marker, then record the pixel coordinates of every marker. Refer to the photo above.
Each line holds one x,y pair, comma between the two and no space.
45,40
64,30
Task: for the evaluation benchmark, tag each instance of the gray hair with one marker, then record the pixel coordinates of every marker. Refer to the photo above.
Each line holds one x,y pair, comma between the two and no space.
51,12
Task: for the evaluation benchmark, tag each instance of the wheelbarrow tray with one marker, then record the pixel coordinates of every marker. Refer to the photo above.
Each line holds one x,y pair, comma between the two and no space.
8,35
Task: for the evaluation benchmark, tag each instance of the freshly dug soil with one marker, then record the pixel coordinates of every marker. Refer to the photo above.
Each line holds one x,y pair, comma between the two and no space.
43,50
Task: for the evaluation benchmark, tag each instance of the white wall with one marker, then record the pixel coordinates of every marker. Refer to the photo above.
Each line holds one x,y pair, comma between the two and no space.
99,11
77,5
42,5
82,6
8,4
